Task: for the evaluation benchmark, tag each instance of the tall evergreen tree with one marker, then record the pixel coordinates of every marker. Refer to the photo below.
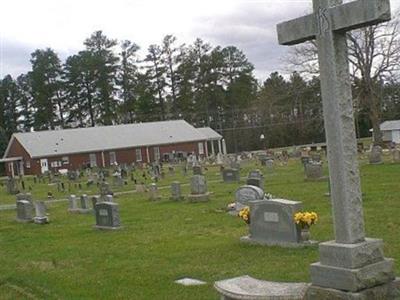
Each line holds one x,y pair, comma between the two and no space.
156,71
105,64
45,79
127,80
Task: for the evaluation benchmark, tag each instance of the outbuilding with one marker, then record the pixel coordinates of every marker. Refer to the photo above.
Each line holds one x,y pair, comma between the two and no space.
35,153
390,131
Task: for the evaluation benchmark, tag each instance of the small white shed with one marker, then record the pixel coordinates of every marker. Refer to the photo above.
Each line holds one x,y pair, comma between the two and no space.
391,131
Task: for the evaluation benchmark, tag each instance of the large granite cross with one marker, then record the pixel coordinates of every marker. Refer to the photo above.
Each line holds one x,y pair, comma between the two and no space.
328,25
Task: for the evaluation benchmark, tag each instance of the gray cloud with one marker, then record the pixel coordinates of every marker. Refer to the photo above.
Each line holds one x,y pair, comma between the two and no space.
252,28
14,58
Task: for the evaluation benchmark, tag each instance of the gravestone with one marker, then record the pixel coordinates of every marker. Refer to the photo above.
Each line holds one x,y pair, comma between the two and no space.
153,192
197,170
104,190
40,209
375,157
396,155
351,267
140,188
231,175
72,175
12,186
73,204
272,223
256,178
316,157
107,216
118,180
176,193
198,189
95,200
247,193
269,163
24,211
85,205
314,171
220,159
235,165
24,196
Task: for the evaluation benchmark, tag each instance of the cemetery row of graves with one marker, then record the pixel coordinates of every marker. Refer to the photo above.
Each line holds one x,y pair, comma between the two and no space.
133,232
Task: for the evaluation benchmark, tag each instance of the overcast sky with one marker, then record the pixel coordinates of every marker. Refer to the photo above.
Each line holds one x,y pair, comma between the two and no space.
63,25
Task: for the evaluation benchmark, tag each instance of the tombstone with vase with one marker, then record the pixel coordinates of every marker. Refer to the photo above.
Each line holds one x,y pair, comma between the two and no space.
272,223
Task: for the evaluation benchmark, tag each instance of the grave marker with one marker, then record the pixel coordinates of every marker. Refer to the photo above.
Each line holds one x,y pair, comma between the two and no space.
107,216
329,25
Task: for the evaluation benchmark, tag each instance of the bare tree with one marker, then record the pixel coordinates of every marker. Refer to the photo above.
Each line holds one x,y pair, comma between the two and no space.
374,56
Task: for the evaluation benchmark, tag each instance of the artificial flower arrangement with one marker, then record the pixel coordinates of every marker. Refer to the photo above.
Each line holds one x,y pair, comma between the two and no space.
244,213
305,219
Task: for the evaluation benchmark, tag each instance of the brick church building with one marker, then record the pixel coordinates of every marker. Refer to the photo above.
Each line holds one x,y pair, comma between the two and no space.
35,153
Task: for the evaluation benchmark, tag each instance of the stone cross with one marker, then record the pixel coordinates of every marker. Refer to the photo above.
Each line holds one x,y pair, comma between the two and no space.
328,25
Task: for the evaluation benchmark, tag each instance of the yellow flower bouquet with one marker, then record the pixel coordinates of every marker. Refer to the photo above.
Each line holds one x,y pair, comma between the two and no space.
305,219
244,213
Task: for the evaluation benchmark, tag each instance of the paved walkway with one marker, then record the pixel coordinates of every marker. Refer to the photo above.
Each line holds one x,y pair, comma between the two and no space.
13,206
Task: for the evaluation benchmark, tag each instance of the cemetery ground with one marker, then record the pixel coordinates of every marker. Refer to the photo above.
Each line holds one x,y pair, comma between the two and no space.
162,241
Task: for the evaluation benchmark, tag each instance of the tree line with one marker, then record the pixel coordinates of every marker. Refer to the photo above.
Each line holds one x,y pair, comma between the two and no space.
108,82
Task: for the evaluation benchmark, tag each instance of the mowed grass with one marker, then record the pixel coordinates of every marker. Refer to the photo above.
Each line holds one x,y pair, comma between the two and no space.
164,241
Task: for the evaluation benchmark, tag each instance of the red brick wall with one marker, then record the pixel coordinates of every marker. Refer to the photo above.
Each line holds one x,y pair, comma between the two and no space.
78,160
16,150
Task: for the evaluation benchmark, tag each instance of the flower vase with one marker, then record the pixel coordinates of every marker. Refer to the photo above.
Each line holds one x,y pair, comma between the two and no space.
305,234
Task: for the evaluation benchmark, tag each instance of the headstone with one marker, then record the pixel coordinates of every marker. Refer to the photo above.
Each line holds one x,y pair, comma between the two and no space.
73,204
314,171
375,157
95,200
352,266
40,209
316,157
246,287
153,192
176,193
235,165
198,189
85,205
231,175
24,211
109,198
140,188
219,160
118,180
269,163
247,193
256,178
272,223
107,216
24,196
396,155
197,170
104,190
72,175
12,186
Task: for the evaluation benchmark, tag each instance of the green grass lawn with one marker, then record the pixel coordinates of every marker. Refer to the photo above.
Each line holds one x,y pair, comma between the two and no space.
164,241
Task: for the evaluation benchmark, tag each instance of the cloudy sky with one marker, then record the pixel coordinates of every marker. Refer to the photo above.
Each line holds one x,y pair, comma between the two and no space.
63,25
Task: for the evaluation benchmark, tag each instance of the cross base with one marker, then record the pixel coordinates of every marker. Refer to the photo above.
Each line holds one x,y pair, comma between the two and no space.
352,267
387,291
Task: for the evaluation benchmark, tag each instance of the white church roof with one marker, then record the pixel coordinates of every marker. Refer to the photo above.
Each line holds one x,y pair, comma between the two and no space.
93,139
